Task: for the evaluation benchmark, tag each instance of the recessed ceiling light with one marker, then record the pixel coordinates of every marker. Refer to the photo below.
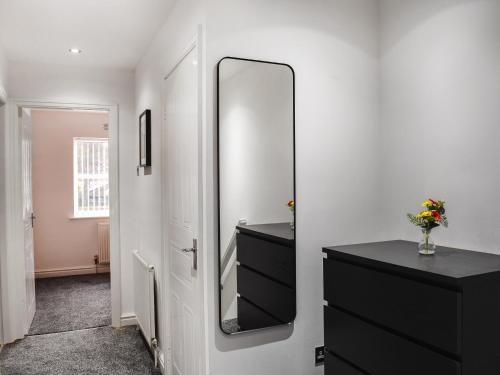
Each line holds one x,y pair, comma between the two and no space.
75,51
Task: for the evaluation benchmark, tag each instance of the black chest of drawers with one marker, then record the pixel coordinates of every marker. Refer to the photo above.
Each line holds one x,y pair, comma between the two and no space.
391,311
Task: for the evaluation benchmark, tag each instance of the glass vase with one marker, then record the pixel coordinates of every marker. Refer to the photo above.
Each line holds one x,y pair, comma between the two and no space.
426,246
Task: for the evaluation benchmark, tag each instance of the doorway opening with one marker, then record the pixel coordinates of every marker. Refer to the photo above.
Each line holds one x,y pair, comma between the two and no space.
68,215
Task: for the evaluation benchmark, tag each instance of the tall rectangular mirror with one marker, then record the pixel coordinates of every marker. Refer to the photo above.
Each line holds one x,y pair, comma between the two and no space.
256,183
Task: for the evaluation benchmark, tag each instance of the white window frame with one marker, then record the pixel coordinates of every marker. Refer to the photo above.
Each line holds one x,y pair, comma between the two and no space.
77,212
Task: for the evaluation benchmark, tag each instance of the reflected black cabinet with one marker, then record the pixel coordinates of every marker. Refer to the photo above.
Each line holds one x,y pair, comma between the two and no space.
391,311
266,275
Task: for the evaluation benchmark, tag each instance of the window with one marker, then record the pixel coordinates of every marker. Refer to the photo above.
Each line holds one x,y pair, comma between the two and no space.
91,177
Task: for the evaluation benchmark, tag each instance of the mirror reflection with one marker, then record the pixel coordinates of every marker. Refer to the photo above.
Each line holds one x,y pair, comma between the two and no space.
256,194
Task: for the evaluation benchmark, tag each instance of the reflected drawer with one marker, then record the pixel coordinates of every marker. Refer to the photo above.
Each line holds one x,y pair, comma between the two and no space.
424,312
276,299
267,257
379,352
251,317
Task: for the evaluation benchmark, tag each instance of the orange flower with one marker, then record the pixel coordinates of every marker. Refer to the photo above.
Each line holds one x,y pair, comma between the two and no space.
291,203
436,215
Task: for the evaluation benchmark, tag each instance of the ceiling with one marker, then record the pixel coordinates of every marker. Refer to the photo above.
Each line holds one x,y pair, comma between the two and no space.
111,33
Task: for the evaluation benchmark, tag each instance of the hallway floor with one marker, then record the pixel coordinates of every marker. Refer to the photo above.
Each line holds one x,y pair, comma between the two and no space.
71,334
103,351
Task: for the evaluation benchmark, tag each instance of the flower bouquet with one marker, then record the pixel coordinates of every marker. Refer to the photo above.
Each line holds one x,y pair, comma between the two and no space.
432,217
291,207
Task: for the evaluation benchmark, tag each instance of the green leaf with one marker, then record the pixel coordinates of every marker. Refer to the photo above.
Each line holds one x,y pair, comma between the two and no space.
444,221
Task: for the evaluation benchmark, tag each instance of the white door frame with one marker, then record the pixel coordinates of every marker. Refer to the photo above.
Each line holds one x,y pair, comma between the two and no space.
11,262
195,44
3,122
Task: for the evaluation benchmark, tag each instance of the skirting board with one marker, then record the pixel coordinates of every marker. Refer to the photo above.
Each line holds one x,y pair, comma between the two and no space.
71,271
128,320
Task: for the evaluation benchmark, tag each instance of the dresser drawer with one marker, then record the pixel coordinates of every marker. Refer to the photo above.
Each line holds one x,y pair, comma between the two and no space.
267,257
274,298
251,317
427,313
379,352
335,366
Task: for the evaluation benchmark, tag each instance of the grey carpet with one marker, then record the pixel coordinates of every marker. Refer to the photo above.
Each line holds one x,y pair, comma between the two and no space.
72,303
230,325
97,351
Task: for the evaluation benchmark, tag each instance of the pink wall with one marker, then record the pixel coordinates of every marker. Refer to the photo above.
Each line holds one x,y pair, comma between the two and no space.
63,245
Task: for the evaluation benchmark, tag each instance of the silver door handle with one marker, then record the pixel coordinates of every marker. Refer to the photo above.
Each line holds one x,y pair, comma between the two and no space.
193,250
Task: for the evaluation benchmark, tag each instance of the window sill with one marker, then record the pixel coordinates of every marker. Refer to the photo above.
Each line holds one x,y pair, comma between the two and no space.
87,217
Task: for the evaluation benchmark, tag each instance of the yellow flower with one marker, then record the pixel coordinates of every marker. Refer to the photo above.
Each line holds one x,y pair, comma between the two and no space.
424,214
427,203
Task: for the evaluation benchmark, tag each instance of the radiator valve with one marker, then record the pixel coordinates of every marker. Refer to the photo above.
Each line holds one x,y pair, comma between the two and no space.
154,346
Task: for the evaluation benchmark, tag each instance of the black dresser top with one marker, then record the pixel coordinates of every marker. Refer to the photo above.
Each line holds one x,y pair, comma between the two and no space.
279,232
446,262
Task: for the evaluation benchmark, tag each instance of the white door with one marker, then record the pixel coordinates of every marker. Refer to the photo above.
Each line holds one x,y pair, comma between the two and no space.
182,179
28,216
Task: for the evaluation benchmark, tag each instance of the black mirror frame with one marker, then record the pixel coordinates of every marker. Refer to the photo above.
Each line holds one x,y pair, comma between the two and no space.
219,272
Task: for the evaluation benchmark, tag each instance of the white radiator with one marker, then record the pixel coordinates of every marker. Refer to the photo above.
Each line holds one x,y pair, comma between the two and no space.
144,292
103,242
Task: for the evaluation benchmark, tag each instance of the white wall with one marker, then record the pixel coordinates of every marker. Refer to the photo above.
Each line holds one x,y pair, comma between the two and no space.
93,86
162,55
440,76
333,48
